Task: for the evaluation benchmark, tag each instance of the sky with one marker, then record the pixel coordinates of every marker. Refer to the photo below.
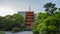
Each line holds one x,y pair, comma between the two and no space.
9,7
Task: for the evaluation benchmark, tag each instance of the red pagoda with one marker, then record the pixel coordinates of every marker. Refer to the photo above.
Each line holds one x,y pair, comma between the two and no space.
29,19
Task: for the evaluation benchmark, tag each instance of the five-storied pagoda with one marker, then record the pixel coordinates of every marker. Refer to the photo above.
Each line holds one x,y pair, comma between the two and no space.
29,19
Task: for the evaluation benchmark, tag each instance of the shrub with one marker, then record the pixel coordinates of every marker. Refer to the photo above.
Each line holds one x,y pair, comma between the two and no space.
16,29
24,29
35,31
1,32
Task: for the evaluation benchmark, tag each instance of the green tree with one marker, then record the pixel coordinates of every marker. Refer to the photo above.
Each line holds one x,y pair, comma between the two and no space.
39,19
58,8
17,18
46,24
18,21
10,21
50,8
1,19
7,23
50,25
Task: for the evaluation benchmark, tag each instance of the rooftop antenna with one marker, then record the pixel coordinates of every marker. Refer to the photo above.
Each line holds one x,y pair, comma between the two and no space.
29,8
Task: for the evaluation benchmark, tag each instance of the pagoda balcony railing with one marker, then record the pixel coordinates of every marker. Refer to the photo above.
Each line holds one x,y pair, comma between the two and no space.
29,14
28,26
30,17
28,20
28,23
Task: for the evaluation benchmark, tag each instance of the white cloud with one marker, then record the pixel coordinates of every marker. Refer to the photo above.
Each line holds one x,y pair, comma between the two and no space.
6,11
6,8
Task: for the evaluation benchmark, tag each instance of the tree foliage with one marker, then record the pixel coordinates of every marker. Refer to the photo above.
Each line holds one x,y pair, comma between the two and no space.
48,25
49,22
40,17
50,8
10,21
45,24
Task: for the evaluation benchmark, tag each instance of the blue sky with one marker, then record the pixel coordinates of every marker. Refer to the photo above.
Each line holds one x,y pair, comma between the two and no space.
13,6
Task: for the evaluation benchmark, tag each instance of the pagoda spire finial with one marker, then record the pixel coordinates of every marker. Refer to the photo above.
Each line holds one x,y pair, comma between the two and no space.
29,8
